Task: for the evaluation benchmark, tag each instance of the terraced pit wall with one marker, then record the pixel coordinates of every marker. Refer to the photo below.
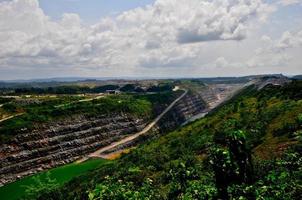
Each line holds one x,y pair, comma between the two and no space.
190,105
63,142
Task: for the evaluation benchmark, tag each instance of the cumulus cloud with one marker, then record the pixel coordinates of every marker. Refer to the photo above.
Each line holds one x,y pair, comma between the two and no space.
219,20
273,55
168,33
288,40
221,62
277,52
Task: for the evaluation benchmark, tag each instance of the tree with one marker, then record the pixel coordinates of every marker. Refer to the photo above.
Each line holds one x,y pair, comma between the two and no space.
231,163
128,88
240,155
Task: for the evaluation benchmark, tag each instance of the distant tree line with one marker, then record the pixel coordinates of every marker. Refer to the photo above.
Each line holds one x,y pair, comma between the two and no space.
84,89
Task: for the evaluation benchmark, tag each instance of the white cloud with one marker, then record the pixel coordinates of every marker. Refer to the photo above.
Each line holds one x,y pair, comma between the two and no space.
169,33
279,52
288,40
220,20
272,56
221,62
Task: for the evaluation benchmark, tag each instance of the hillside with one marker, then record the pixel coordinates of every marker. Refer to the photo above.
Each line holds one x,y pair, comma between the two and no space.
249,148
298,77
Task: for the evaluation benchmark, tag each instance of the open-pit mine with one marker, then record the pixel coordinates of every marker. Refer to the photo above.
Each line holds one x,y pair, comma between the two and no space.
77,136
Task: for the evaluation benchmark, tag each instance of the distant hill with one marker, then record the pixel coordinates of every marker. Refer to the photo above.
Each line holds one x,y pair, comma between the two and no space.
297,77
57,79
87,79
224,80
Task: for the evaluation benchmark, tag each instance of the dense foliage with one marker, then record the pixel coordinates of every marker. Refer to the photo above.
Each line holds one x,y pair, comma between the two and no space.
5,100
77,89
160,88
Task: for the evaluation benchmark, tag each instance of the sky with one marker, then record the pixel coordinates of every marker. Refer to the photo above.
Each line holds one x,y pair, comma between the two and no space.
149,38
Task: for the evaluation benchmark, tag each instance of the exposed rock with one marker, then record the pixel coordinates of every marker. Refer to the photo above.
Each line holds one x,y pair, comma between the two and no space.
62,142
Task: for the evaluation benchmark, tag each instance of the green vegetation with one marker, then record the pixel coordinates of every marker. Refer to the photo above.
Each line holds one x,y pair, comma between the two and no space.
161,88
5,100
65,89
190,84
30,186
128,88
249,148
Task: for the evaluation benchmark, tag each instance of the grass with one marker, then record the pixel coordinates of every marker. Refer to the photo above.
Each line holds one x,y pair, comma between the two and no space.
16,190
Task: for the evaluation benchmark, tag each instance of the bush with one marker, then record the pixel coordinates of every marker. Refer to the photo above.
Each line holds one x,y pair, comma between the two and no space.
120,190
34,190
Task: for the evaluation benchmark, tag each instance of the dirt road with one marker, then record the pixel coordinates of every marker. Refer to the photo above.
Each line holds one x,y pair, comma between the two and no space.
7,118
132,137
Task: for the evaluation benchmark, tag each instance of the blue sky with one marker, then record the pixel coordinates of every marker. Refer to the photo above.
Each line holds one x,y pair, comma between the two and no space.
167,38
90,10
287,18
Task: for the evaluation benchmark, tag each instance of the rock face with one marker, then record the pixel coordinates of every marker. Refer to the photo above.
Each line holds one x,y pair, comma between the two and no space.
215,94
271,80
62,142
190,105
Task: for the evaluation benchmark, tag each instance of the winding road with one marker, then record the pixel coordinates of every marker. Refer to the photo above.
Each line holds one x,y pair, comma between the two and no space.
132,137
98,153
